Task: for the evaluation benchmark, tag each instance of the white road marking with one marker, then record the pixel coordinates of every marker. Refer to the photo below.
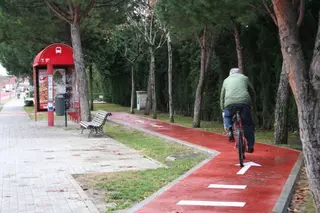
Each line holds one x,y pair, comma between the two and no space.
210,203
246,167
222,186
157,126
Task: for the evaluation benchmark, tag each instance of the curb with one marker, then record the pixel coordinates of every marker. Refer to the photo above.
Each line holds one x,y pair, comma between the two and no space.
288,189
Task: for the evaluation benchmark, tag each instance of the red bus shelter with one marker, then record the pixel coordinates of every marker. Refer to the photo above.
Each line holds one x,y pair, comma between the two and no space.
53,74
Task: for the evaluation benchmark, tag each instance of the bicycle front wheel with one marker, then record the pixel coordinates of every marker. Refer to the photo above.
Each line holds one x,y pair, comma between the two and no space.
240,148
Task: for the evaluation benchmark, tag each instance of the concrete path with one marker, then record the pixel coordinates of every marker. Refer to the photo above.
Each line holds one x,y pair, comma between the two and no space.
36,163
263,185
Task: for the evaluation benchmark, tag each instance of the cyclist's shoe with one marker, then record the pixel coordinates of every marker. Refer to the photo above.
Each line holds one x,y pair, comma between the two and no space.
250,150
230,135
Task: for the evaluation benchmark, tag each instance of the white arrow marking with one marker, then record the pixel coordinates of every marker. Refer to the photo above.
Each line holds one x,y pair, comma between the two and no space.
210,203
221,186
140,121
155,125
246,167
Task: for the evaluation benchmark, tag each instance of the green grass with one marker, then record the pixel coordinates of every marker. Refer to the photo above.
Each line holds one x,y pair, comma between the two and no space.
110,107
29,109
261,135
127,188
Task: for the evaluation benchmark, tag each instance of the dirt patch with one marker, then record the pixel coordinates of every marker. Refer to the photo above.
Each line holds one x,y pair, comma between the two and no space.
302,200
87,183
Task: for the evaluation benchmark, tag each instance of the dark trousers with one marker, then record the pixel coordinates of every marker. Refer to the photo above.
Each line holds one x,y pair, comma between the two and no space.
247,121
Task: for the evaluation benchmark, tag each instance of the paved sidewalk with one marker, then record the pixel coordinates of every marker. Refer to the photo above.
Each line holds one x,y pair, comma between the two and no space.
36,163
264,185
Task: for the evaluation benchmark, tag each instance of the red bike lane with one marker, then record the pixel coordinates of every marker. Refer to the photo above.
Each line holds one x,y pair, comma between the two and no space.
220,185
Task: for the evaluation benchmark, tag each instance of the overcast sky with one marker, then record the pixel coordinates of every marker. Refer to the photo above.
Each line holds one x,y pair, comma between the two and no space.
2,70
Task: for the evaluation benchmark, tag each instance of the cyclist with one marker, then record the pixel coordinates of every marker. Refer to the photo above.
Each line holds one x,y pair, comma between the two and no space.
238,92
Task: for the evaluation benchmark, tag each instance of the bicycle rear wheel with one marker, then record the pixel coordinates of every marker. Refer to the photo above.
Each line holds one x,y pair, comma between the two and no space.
240,148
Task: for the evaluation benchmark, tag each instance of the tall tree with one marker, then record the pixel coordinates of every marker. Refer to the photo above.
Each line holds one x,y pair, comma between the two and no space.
129,43
147,24
305,86
73,12
284,92
169,45
207,43
165,27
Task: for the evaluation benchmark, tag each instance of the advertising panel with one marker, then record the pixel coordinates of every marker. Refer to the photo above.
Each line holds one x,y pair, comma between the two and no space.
43,89
59,86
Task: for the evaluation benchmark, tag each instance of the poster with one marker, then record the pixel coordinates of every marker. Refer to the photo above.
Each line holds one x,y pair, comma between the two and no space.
59,79
43,89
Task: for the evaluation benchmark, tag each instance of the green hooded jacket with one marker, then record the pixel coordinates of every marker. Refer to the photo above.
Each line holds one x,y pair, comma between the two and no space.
237,89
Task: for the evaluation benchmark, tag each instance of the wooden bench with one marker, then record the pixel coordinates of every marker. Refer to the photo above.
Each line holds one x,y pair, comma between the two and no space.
97,122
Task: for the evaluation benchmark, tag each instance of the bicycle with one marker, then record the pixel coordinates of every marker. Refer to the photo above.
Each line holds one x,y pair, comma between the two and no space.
241,138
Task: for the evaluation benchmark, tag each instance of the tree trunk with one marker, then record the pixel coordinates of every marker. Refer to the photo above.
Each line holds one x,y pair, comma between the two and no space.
199,91
206,59
91,87
281,110
283,97
238,47
209,49
310,135
170,77
82,81
149,95
153,83
133,91
305,88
